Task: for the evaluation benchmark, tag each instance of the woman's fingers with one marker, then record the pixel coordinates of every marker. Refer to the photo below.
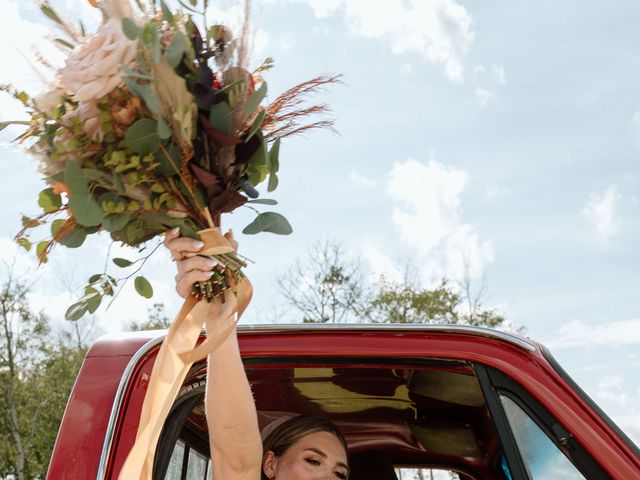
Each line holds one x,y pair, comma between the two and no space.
185,281
181,245
198,262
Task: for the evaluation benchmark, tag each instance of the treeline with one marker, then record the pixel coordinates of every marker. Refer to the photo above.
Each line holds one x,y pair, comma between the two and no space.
39,365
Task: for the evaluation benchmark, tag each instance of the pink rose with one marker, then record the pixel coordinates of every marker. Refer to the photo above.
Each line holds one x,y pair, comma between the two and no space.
94,68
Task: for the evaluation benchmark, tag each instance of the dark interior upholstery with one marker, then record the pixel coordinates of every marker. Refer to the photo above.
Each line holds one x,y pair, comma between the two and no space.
371,465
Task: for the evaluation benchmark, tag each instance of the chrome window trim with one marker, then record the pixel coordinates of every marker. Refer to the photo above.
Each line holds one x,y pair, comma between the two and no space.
117,403
292,328
486,332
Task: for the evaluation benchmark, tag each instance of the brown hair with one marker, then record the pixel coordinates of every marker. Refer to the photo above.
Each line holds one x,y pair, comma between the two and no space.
296,428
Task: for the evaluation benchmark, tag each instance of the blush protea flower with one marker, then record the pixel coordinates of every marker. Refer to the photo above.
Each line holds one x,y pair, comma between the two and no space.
94,68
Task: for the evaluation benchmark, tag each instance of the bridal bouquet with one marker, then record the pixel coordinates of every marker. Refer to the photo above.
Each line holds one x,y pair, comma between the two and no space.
155,122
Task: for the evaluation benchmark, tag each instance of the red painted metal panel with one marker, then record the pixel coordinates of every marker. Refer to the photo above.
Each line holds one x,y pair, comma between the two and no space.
81,434
79,444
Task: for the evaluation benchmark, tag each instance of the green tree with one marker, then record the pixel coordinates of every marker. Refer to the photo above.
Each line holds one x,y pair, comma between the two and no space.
157,319
329,286
326,286
37,371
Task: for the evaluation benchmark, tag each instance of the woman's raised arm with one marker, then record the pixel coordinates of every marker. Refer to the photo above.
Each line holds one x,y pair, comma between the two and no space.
234,436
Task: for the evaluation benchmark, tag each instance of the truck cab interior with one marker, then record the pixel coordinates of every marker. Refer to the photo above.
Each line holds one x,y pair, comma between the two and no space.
431,414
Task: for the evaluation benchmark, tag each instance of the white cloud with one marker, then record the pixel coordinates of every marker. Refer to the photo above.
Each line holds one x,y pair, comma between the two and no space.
580,334
380,263
360,181
440,31
601,212
429,217
498,74
483,96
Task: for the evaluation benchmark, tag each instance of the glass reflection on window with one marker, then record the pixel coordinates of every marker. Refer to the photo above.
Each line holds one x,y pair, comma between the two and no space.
542,458
174,472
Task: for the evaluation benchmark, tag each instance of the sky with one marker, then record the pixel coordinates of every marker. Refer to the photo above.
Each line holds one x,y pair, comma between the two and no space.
503,135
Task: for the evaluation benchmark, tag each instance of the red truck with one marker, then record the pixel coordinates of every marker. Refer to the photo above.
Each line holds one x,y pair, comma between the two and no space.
478,403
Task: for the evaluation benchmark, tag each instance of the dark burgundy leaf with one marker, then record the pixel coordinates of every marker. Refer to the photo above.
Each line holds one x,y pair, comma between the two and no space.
244,151
206,179
227,201
205,75
221,139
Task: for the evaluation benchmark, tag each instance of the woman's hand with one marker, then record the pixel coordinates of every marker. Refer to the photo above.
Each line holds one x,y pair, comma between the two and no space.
192,267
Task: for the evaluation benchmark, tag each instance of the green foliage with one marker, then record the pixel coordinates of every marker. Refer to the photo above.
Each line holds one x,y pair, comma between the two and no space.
175,50
329,286
221,117
255,99
49,201
143,287
85,210
324,287
274,165
130,29
142,137
37,371
157,319
268,222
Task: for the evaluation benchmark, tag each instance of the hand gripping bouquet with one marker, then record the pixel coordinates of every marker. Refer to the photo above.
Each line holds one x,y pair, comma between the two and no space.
156,122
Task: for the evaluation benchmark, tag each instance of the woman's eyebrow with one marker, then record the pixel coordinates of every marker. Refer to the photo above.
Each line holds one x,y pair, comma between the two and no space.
324,455
318,451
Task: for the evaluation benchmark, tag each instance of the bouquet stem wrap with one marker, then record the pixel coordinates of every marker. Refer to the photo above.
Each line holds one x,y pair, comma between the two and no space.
176,356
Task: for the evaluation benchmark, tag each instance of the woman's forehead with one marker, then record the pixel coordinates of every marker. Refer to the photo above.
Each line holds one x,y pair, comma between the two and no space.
326,442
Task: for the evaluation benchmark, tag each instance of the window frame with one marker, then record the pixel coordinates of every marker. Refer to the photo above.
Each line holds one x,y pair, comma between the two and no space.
495,383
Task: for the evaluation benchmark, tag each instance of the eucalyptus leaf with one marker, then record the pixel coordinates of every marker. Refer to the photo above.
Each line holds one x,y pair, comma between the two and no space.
166,13
85,210
263,201
274,165
274,156
145,93
175,50
56,225
268,222
115,222
142,137
168,159
273,182
24,243
76,311
164,131
221,117
94,302
130,29
73,238
143,287
75,178
49,201
117,183
92,298
41,251
122,262
255,99
255,126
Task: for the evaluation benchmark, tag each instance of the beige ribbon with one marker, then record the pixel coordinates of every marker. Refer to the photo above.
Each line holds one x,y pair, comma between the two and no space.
175,358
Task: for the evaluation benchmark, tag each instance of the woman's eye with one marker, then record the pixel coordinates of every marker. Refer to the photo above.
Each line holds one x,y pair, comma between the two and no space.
341,475
312,461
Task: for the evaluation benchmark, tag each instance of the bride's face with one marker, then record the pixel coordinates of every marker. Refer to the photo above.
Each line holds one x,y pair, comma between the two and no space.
317,456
